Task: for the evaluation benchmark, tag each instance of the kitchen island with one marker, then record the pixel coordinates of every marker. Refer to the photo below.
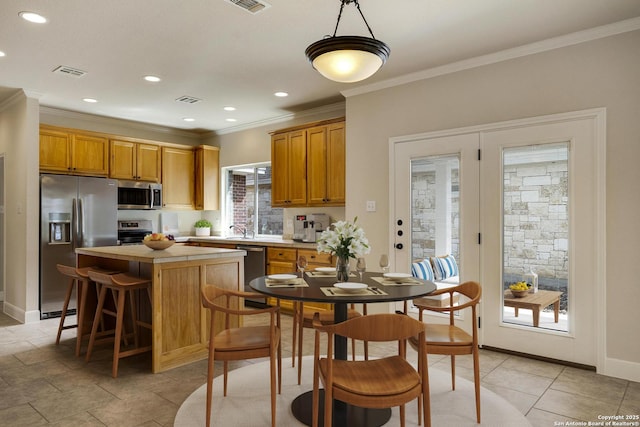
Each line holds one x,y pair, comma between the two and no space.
180,324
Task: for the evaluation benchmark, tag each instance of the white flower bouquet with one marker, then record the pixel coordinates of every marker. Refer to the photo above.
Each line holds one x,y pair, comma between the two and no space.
344,239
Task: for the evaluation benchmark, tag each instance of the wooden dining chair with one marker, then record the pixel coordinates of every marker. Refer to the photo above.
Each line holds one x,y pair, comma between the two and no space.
227,342
449,339
378,383
304,319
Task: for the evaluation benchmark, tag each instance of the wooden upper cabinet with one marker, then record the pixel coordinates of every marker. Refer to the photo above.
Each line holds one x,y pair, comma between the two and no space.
326,165
207,184
288,169
63,151
55,151
178,173
135,161
336,164
149,162
89,155
308,165
279,169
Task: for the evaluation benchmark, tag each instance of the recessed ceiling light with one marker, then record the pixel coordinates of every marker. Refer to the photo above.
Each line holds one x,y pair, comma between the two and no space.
229,108
231,120
281,94
152,79
33,17
90,100
1,53
189,119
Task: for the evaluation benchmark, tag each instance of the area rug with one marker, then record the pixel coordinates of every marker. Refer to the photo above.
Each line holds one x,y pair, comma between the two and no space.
248,403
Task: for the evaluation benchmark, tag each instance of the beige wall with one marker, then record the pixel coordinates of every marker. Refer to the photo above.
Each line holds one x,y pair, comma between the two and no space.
18,141
254,145
601,73
111,126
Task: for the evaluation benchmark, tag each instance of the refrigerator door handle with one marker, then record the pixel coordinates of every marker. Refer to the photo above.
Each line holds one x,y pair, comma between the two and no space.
74,224
80,224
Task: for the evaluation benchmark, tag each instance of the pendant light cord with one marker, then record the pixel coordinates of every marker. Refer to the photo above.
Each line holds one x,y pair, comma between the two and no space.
361,14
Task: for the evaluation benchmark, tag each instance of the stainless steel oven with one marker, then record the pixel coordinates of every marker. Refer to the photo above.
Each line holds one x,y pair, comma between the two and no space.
132,231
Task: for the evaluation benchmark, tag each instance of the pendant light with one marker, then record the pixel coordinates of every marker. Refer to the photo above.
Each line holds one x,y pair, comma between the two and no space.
348,59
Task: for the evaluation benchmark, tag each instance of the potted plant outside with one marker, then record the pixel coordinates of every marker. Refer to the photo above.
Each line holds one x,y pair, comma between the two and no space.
203,227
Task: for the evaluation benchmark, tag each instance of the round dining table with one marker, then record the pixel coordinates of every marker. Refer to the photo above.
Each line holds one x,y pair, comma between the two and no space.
319,288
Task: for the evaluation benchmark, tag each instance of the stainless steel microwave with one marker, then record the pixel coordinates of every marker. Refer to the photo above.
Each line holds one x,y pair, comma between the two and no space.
139,195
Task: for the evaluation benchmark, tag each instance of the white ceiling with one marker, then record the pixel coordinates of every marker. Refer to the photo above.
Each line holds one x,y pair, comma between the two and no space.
224,55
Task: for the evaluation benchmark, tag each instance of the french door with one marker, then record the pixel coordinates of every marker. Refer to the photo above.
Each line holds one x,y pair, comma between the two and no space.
509,200
435,198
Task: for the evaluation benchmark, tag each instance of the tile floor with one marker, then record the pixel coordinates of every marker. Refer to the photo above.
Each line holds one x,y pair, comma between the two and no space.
45,384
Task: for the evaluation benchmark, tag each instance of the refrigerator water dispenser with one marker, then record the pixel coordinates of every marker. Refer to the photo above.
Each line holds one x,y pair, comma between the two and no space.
59,228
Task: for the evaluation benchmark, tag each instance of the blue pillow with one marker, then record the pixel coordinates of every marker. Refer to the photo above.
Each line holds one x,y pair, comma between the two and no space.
422,270
444,267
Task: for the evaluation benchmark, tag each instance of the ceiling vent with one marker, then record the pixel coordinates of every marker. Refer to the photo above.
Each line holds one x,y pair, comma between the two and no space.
251,6
188,99
68,71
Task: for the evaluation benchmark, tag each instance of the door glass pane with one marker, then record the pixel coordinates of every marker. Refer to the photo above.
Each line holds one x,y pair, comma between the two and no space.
435,215
536,234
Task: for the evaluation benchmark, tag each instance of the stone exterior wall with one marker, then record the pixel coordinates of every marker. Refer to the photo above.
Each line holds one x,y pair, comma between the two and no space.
536,233
423,215
535,220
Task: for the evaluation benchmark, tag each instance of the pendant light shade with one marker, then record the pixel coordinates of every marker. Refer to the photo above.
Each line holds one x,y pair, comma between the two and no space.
348,59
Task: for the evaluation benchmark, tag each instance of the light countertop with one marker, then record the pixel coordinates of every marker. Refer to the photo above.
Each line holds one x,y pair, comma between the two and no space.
175,253
259,241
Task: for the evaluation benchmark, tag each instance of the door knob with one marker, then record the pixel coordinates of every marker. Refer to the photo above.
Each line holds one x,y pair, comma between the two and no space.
399,245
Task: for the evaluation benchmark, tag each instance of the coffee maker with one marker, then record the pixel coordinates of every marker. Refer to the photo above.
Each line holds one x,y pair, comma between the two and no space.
306,226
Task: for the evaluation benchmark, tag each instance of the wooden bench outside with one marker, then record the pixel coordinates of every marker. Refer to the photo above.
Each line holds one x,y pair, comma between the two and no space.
534,302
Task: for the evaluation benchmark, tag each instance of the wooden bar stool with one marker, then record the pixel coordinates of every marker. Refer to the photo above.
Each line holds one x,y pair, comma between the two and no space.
83,272
74,280
120,284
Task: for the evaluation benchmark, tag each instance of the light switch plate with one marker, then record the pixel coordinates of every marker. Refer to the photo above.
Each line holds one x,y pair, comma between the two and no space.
371,205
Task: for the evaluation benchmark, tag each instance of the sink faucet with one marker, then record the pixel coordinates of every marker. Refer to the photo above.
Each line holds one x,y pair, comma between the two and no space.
243,230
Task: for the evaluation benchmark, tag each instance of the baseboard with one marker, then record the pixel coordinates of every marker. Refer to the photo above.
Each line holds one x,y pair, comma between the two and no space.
19,314
622,369
32,316
13,311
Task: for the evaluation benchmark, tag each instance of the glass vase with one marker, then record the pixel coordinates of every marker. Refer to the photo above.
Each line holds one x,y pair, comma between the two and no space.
342,269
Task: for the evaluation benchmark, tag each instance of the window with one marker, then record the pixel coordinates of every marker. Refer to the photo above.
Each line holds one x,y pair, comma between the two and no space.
247,201
536,225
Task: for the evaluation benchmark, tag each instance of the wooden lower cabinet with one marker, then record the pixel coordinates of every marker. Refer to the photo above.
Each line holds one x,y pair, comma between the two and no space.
281,260
316,259
284,260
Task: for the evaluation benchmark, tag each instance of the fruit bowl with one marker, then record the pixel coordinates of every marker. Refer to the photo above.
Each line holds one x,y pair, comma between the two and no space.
158,244
519,293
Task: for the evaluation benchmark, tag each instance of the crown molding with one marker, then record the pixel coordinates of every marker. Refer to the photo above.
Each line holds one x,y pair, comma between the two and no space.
17,96
492,58
330,108
58,112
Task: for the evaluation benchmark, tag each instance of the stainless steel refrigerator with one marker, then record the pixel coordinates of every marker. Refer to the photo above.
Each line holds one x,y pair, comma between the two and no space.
74,212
